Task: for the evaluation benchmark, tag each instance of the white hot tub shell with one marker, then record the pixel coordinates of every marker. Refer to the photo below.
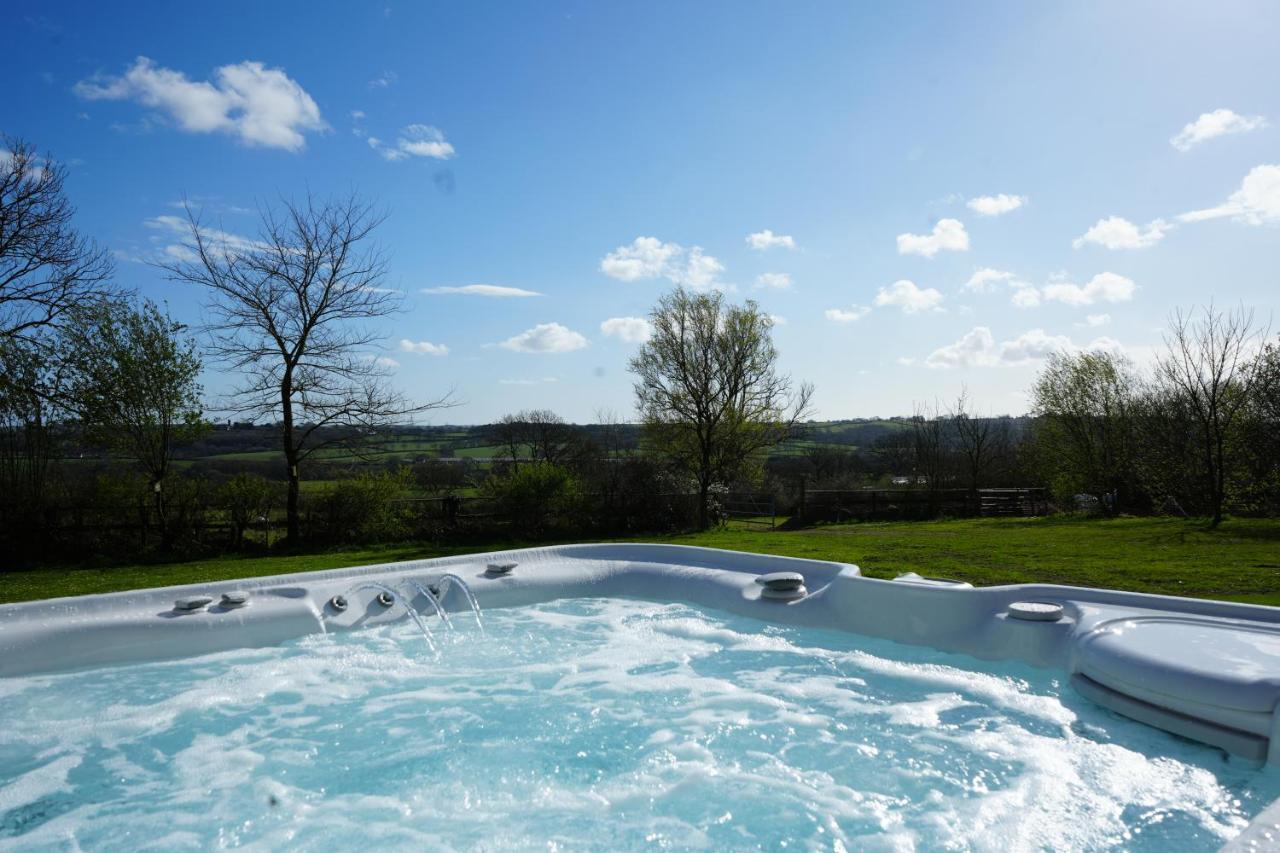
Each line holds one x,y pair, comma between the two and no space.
1206,670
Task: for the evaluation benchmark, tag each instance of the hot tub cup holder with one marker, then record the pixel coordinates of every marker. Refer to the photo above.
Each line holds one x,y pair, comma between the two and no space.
782,586
1035,611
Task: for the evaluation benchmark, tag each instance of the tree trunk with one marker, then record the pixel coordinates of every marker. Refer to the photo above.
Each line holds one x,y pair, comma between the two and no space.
157,490
1219,483
292,524
704,490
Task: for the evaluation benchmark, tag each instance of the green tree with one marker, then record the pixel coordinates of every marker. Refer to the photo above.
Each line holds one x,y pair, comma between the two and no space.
1087,406
28,441
132,383
708,389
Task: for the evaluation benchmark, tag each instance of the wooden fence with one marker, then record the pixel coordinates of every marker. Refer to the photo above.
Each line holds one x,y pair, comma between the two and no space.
907,504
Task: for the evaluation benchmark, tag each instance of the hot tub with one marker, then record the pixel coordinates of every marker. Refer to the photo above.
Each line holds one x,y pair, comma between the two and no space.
635,695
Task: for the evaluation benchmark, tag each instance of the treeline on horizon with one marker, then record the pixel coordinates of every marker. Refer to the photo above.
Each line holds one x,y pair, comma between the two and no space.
107,451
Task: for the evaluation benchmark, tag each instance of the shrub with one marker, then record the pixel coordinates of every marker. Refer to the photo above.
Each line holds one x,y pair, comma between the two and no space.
246,499
359,510
537,497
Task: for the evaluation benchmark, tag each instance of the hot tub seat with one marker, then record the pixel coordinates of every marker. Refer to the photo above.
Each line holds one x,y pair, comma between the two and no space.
1220,672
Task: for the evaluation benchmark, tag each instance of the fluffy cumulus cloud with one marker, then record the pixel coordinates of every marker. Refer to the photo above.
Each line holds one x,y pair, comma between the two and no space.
1094,321
1213,124
1116,232
1257,202
492,291
907,296
423,347
842,315
415,140
986,279
948,234
773,281
1103,287
979,348
545,338
1025,296
633,330
994,205
766,239
258,105
649,257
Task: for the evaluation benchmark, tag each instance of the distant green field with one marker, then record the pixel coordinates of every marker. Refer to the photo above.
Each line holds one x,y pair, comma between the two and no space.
1239,561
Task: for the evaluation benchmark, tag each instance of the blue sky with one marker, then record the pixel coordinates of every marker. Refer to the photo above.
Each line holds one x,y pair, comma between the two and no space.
939,193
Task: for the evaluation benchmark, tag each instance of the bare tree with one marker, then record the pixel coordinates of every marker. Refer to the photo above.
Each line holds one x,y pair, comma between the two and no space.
708,388
509,432
980,440
286,312
46,267
536,434
1211,365
929,449
549,438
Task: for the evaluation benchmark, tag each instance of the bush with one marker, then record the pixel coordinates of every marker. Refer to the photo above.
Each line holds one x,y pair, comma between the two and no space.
359,510
537,497
246,499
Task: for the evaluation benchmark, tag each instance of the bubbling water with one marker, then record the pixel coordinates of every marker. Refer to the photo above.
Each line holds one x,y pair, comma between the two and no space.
598,724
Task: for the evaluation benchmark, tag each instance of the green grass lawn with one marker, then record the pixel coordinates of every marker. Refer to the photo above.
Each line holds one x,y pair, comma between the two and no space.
1239,561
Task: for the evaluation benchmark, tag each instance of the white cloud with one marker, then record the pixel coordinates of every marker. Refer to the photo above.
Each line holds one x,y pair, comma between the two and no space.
979,348
777,319
840,315
700,270
1094,321
907,296
976,348
773,281
259,105
1103,287
545,338
383,361
423,347
1116,232
494,291
649,257
1217,123
357,115
985,280
948,234
383,80
634,330
1257,202
1033,346
223,242
1025,296
994,205
416,140
766,239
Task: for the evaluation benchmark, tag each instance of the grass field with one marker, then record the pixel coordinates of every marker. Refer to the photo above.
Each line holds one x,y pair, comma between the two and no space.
1240,561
